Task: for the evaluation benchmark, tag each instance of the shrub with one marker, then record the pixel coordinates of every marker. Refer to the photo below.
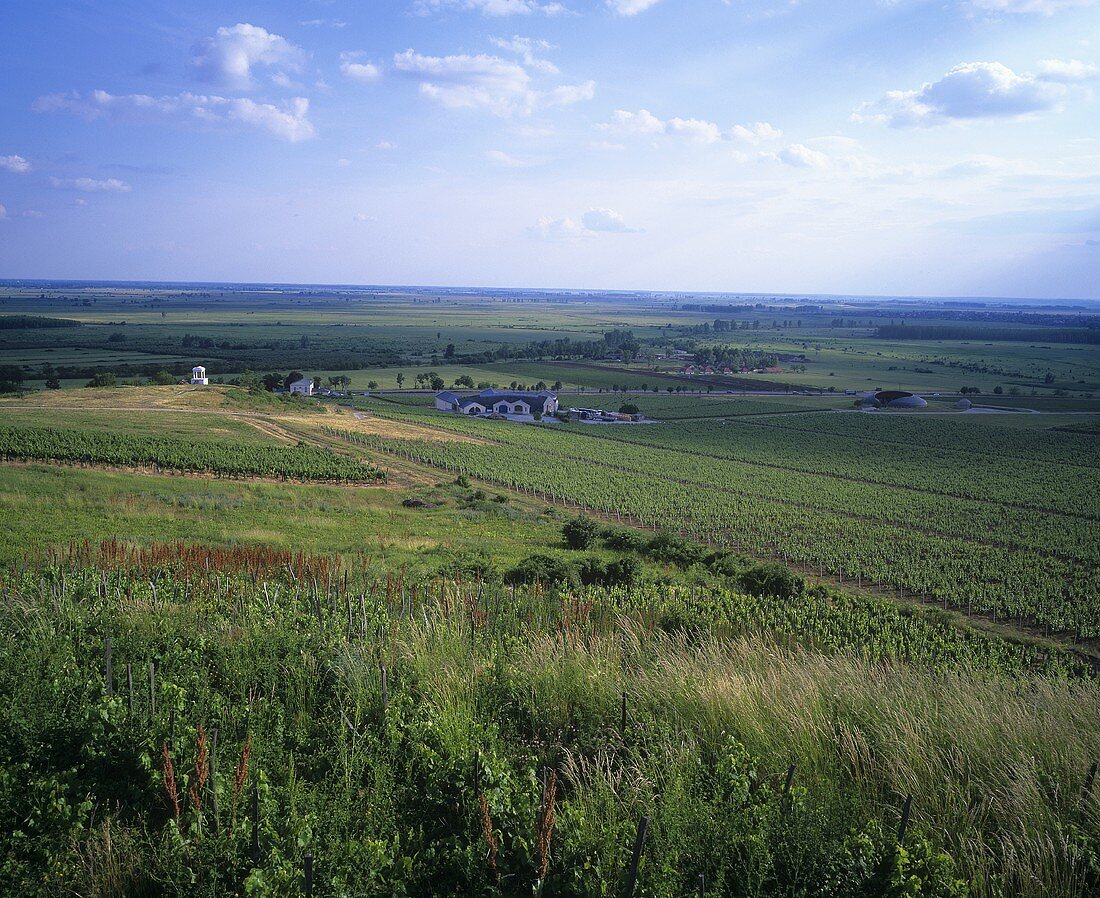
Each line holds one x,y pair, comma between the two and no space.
579,532
772,580
542,569
623,539
668,548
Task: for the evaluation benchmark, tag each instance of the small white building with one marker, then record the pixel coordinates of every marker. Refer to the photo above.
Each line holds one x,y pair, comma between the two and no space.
303,387
198,376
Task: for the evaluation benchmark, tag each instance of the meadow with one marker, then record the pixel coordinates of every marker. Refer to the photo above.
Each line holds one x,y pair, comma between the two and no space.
805,650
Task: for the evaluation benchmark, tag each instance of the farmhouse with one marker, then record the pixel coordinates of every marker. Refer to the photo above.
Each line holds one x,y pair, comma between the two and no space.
303,387
502,402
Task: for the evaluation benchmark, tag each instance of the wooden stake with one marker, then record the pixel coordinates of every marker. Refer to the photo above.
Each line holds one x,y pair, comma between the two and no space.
635,858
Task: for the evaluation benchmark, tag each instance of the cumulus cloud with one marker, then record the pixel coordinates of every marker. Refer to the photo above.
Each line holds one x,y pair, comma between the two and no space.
799,155
526,48
91,185
973,90
631,7
593,222
557,229
606,220
1067,71
287,120
645,123
755,132
358,71
16,164
1040,7
229,55
502,86
494,8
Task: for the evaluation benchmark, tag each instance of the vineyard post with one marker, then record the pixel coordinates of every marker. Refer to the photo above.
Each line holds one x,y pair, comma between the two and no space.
787,787
307,873
702,885
1086,789
212,765
905,811
153,690
108,672
256,823
635,858
130,689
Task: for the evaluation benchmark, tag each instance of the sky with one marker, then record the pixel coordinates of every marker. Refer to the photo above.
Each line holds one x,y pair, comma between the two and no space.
897,147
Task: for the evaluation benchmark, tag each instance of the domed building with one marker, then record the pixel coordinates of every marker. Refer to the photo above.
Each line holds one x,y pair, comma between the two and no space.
899,399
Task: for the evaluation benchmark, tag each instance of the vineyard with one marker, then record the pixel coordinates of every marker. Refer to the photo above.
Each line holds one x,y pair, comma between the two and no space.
309,724
1010,538
226,459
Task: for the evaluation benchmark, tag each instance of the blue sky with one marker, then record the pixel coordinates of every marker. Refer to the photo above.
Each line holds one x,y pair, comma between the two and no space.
828,146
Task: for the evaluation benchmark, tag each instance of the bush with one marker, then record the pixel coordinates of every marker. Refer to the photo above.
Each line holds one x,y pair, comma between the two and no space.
625,571
628,408
579,532
772,580
542,569
624,539
668,548
103,379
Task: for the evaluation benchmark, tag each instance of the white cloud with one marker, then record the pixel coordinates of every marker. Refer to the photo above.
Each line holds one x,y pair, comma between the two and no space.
1067,71
359,216
228,56
484,82
525,47
31,213
3,211
16,164
606,220
1040,7
504,160
755,132
801,156
593,222
645,123
343,163
320,23
494,8
972,90
288,120
385,145
91,185
641,122
694,129
631,7
557,229
358,71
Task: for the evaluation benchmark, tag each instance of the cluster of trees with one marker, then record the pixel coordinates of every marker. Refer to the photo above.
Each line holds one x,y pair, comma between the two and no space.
734,358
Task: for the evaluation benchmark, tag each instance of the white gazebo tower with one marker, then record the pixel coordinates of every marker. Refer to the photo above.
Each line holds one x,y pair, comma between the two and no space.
198,376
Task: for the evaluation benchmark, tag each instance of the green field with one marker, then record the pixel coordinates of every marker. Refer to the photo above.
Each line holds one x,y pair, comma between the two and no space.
454,656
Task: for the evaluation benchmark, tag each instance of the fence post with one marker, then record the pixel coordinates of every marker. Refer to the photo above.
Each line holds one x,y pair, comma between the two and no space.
1086,789
256,823
635,858
905,811
108,670
308,874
